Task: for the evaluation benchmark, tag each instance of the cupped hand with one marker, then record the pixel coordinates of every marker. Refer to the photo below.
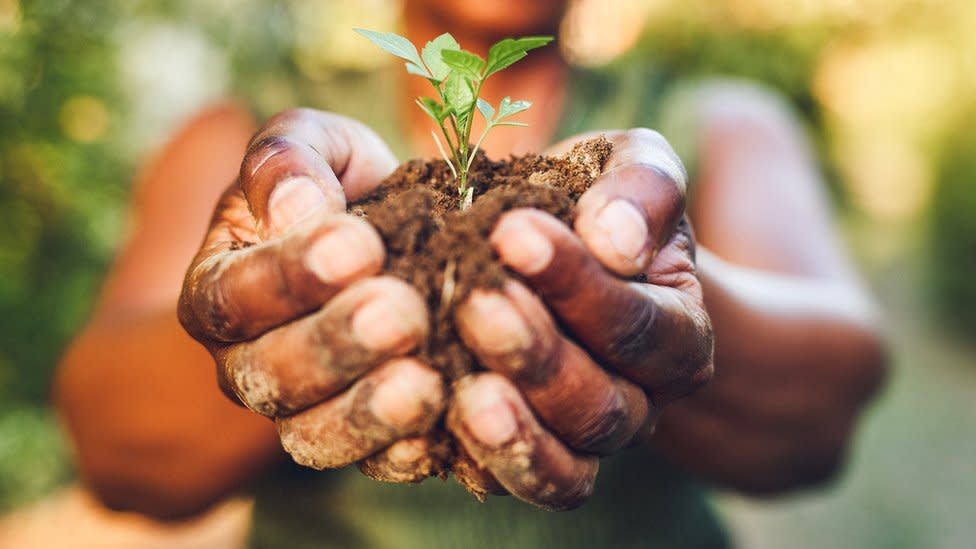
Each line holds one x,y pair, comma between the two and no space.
284,294
614,330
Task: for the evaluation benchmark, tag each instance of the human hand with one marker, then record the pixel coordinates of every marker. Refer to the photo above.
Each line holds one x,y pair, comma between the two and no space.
282,294
583,380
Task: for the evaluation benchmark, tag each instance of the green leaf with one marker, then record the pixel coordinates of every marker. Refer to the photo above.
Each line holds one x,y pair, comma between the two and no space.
419,71
457,91
432,55
397,45
465,63
433,109
486,110
508,107
510,50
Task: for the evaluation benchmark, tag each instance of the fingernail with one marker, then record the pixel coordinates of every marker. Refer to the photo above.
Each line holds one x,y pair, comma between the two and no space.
292,200
489,418
379,325
624,227
521,246
400,400
495,325
339,255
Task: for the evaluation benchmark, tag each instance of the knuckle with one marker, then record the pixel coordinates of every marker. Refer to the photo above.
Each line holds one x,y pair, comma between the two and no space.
655,152
601,431
696,366
574,493
667,175
213,309
537,365
221,313
634,339
531,367
187,316
572,500
701,377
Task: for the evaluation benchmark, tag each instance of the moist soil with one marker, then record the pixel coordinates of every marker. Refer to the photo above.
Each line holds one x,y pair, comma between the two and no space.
445,252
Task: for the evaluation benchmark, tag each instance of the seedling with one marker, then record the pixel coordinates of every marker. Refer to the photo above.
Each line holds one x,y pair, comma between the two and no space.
457,76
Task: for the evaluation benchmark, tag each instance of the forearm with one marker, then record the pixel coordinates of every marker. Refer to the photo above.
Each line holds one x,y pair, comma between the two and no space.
150,428
796,361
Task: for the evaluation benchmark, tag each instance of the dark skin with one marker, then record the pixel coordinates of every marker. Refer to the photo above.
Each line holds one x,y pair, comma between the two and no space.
796,351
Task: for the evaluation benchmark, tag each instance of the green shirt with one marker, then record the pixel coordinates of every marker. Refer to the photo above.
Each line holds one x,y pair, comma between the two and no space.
640,500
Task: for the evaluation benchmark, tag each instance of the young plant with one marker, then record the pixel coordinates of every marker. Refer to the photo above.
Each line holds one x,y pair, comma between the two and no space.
457,76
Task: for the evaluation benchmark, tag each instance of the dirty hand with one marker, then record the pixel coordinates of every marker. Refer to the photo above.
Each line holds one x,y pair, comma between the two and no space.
282,294
581,371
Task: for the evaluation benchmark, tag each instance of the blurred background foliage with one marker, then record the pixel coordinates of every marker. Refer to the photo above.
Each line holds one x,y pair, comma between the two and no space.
87,89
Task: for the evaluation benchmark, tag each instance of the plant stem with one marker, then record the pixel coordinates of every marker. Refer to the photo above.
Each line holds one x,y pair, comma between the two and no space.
463,190
477,146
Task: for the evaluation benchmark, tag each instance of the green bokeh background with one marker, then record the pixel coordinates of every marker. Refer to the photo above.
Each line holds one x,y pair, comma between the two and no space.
87,89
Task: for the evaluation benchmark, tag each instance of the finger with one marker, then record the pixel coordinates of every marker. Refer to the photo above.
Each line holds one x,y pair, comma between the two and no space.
496,427
304,161
236,294
512,333
657,335
311,359
476,479
409,460
402,398
632,210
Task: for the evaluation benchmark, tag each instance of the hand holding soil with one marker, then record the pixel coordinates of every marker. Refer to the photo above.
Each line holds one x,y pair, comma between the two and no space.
283,295
585,335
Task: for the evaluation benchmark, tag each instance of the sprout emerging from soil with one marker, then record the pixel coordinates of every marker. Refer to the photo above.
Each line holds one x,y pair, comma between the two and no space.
457,76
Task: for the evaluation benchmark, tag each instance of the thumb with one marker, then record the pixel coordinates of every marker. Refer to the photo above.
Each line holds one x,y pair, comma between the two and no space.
304,161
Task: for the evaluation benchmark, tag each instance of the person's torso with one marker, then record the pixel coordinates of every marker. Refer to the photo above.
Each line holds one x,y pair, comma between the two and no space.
640,500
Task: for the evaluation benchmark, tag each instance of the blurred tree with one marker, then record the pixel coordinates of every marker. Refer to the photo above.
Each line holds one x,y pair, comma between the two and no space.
61,187
953,229
782,59
61,182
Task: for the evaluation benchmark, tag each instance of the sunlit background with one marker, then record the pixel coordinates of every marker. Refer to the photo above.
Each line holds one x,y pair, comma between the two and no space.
886,87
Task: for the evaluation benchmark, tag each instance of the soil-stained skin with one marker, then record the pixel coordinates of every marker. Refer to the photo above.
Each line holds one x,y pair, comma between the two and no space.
445,254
